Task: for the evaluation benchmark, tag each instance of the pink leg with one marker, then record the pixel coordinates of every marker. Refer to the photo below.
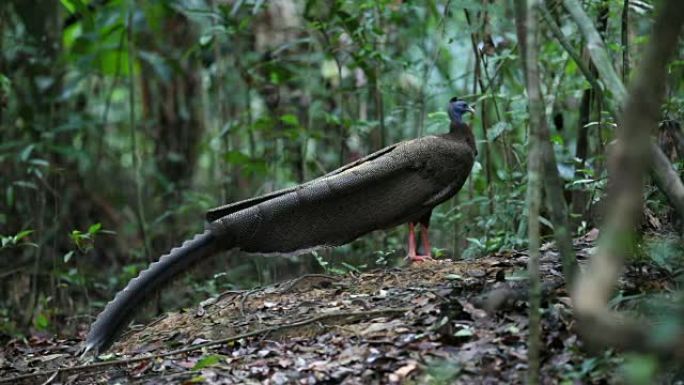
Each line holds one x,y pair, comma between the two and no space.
411,243
412,255
426,242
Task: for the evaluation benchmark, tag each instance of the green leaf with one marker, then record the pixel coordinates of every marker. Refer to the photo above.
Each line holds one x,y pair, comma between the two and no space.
5,84
581,181
107,357
69,5
205,40
39,162
158,63
21,235
437,120
207,361
9,197
546,222
236,157
465,332
557,139
94,228
79,238
571,68
26,152
496,130
41,322
290,119
67,256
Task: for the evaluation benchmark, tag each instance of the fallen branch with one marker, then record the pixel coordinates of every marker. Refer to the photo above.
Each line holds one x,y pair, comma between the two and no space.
291,285
504,297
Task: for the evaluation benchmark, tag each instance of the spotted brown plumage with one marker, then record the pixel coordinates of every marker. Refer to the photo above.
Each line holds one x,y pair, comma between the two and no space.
399,184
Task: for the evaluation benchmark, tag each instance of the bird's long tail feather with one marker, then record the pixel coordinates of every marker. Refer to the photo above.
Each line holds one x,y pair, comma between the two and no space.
121,309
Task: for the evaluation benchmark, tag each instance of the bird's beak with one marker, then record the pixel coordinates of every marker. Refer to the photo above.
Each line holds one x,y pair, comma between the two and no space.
471,109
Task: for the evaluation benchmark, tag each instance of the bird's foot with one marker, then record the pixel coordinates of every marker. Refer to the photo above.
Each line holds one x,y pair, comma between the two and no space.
419,258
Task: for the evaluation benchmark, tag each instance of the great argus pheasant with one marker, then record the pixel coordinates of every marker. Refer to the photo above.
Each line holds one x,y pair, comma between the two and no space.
398,184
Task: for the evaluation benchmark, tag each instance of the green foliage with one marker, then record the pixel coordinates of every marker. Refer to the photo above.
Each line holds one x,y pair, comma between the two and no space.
8,324
41,322
335,266
441,372
84,240
16,240
591,369
666,252
207,361
640,369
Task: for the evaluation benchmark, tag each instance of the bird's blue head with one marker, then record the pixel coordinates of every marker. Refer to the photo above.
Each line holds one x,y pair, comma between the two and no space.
457,108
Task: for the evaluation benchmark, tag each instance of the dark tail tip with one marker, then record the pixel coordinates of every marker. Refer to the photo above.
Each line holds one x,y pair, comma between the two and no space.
120,310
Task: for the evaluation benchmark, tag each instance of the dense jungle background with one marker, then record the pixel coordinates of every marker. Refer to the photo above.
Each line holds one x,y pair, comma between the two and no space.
122,122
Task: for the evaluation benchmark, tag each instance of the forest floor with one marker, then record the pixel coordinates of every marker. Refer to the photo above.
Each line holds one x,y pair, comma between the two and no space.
441,322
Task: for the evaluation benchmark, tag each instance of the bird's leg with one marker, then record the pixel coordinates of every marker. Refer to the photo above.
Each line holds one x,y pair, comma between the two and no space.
411,243
412,255
425,237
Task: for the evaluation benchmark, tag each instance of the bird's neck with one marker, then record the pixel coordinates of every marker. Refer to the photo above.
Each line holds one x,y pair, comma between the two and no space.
460,130
456,117
458,126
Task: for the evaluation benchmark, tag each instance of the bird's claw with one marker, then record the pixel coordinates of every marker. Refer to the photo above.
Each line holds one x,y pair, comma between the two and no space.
419,258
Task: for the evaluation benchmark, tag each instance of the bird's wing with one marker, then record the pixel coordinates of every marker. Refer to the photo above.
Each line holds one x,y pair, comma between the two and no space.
230,208
379,192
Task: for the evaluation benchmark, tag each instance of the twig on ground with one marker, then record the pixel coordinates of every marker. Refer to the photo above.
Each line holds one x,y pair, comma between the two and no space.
353,315
293,283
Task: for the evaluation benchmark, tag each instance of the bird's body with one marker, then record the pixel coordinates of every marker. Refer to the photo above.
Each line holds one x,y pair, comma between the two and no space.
399,184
